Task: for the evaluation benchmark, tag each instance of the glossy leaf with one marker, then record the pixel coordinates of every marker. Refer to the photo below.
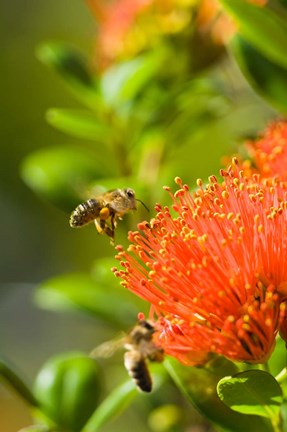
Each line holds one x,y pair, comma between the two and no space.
81,124
262,27
92,295
251,392
117,401
61,174
199,386
122,82
68,388
267,78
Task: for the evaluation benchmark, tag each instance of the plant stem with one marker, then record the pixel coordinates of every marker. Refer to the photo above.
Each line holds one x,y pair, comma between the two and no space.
264,367
13,379
282,375
277,423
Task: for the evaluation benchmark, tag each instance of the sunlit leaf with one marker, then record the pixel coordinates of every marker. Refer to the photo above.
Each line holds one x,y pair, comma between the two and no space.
251,392
268,78
61,174
262,27
199,386
81,124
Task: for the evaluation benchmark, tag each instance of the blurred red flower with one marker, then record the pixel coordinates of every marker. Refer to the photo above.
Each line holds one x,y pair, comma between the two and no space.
127,27
213,268
269,152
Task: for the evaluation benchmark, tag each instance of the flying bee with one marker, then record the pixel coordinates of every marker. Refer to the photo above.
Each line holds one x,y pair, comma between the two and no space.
104,210
140,348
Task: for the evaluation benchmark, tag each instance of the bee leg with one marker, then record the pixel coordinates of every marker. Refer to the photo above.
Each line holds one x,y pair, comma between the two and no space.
113,221
98,226
103,227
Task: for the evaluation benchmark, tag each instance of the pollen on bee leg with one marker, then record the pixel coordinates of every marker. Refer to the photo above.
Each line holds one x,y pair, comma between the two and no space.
104,213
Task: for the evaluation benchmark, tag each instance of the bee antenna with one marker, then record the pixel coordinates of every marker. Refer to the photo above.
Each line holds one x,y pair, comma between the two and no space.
143,204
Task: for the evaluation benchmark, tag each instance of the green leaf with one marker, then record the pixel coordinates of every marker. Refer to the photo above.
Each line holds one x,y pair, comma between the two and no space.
81,124
117,401
68,388
73,68
123,82
61,174
199,386
262,27
92,295
266,77
252,392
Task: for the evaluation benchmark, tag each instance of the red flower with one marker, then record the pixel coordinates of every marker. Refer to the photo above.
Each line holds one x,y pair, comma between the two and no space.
270,151
215,274
116,18
128,27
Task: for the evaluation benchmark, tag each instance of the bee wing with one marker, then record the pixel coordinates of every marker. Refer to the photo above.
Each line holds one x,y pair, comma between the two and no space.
108,349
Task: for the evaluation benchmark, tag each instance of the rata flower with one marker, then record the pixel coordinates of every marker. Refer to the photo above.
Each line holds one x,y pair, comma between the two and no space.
213,267
128,27
269,152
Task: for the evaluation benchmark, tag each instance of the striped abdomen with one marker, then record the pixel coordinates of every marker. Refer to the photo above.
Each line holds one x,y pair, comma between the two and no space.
85,213
136,366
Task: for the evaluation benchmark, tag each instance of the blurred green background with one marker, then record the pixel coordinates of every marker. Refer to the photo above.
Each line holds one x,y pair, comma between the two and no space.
36,240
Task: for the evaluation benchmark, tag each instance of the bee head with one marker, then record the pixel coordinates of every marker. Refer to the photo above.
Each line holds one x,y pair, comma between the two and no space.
147,325
142,331
130,193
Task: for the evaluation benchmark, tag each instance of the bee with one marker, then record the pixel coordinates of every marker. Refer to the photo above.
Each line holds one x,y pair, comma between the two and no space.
104,210
140,348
